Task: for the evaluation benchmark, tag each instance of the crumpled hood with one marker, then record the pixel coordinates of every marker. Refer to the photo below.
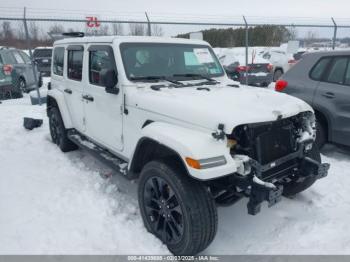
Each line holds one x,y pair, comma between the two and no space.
227,105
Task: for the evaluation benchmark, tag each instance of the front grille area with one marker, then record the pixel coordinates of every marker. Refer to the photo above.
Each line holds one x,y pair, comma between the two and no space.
274,143
266,142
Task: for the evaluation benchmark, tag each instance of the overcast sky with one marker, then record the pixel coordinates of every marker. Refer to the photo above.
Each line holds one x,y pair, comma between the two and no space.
312,11
299,8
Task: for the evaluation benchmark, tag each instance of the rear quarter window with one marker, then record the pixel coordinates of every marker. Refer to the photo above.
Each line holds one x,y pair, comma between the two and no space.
58,61
337,70
319,68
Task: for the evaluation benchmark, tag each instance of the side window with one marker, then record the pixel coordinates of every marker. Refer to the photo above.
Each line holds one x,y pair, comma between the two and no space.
18,57
267,56
58,58
25,57
319,69
75,64
100,58
337,70
9,58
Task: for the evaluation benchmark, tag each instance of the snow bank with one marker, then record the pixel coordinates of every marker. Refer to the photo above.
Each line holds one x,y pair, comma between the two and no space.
56,203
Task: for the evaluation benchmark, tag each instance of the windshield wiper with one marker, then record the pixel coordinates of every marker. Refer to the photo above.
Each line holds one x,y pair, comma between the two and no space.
196,76
155,78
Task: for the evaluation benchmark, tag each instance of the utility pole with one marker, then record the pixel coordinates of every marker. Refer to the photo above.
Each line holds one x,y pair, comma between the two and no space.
246,49
335,33
31,55
149,31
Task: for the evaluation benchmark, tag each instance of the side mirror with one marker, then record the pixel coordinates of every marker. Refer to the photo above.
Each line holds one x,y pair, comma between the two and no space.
109,80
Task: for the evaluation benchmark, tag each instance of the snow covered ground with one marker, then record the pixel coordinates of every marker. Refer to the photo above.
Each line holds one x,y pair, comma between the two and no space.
56,203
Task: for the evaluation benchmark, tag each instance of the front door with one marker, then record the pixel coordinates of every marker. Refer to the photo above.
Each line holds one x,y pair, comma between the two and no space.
104,118
333,95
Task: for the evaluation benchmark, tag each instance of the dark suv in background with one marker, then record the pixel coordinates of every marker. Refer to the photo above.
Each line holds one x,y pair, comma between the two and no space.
322,79
42,57
16,73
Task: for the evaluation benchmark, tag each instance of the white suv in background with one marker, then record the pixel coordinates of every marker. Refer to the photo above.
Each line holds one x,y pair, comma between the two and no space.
281,61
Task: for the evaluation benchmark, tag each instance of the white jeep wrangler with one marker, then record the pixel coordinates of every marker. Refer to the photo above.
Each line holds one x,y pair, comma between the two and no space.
162,110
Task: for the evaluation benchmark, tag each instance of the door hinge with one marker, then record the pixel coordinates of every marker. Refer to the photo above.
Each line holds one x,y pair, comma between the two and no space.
84,121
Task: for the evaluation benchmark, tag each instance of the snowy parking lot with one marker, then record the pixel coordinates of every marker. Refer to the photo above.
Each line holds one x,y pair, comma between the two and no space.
56,203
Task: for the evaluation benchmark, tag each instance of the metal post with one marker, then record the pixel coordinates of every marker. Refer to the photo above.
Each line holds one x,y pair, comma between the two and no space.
335,33
149,31
246,48
31,55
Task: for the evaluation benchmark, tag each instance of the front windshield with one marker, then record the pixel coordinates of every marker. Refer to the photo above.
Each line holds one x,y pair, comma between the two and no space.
142,60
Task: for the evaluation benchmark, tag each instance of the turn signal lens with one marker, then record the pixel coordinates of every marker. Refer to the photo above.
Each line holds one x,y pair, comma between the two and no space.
193,163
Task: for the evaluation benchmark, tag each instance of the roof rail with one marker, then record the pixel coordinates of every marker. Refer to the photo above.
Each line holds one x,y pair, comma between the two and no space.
74,34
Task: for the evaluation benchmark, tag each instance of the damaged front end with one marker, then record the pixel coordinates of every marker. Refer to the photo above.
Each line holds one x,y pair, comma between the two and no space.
271,155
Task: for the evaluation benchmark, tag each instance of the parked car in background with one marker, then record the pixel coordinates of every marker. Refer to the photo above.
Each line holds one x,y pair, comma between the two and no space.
322,79
281,61
258,72
6,88
42,57
16,73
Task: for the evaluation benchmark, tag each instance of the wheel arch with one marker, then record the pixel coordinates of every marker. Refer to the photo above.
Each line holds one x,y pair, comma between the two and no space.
279,69
325,121
56,99
147,150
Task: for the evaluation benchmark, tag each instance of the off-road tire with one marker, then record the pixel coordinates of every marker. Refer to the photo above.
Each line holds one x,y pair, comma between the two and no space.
59,132
196,203
321,134
295,186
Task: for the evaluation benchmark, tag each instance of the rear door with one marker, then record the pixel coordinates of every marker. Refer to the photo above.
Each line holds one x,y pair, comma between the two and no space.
104,118
74,85
333,98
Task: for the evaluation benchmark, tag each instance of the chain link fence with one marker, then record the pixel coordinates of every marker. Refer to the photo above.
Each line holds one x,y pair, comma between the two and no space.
244,45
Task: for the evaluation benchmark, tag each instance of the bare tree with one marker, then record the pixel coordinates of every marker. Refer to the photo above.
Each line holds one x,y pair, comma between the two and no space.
137,29
33,31
117,29
157,30
56,29
20,33
293,33
7,32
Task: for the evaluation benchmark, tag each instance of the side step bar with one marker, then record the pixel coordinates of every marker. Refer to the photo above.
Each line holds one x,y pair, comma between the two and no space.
100,153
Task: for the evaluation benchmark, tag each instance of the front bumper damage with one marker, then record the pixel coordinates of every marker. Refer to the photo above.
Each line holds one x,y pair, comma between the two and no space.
270,190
